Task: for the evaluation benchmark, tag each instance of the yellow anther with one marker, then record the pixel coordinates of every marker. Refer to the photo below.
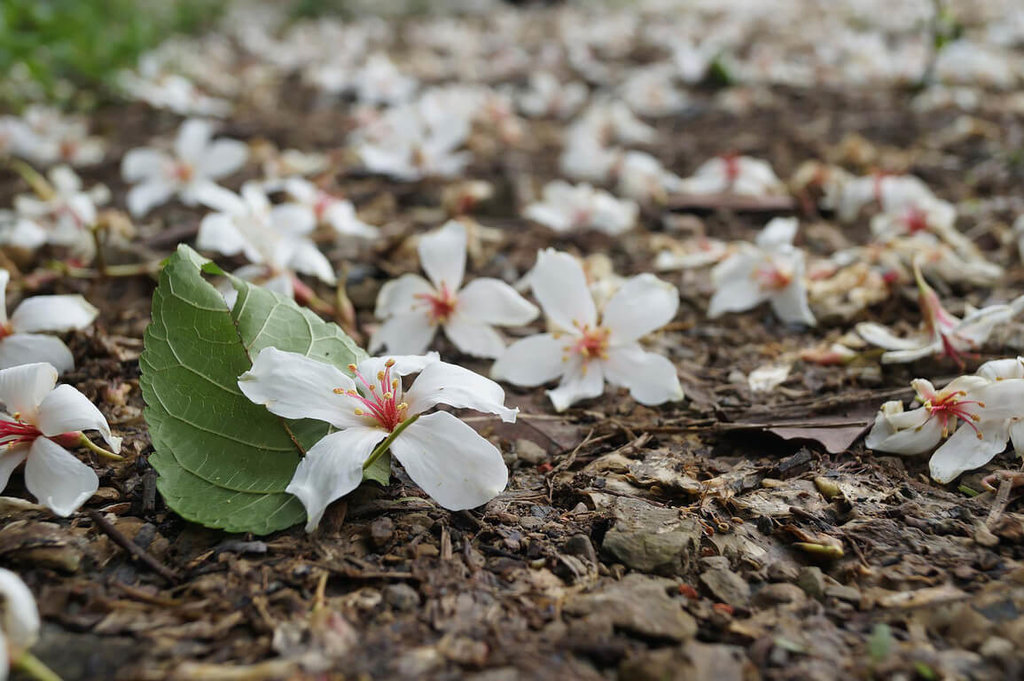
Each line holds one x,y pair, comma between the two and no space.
358,412
975,417
980,436
389,395
380,375
394,384
352,368
373,388
981,404
390,363
403,405
339,391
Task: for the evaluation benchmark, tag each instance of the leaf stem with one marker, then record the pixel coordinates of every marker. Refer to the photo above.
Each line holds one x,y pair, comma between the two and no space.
30,665
96,449
383,446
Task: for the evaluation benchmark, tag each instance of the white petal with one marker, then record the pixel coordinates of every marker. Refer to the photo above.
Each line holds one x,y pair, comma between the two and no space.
548,215
193,137
9,460
23,388
912,432
306,258
443,255
404,334
342,217
965,451
403,364
53,313
217,232
790,304
5,278
879,335
293,219
332,468
144,197
443,383
900,356
1017,436
473,338
736,289
218,198
641,305
144,164
450,461
492,301
25,234
21,616
221,158
580,382
297,387
532,361
1002,399
29,348
777,233
66,410
399,296
651,378
560,286
57,479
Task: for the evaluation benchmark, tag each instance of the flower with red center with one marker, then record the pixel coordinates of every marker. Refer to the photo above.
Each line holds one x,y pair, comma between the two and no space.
334,211
734,174
374,414
770,270
25,337
413,308
197,162
567,207
974,412
41,419
944,334
584,350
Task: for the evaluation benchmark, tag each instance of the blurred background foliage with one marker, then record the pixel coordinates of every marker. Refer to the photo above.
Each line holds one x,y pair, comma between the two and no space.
54,46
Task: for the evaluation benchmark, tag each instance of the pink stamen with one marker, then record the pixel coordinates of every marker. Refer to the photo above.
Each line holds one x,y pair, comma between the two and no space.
732,168
772,278
382,402
591,343
17,432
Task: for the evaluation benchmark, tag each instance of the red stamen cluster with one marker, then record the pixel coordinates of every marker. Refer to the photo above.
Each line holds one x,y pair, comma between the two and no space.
442,304
916,221
16,433
382,400
591,343
183,172
771,278
953,406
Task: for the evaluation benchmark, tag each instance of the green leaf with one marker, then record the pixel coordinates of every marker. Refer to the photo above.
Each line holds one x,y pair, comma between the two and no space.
224,461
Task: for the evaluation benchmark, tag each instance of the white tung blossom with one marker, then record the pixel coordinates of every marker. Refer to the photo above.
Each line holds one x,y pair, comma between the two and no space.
413,308
448,459
40,418
61,213
566,208
584,349
196,163
23,337
771,269
20,618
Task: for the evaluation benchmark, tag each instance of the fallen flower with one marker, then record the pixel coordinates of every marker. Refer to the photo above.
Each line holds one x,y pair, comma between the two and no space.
413,308
328,209
39,421
20,339
274,238
373,414
584,351
771,269
742,175
196,163
974,412
20,629
61,213
566,207
945,335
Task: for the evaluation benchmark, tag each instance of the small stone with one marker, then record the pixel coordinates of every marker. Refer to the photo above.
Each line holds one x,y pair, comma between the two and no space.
531,524
849,594
651,538
580,545
778,594
401,597
427,551
984,536
638,604
726,586
997,648
695,660
530,452
714,563
782,572
463,650
812,581
381,531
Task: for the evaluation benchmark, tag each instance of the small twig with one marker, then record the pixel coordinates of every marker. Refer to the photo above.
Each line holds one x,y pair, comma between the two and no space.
131,547
1001,501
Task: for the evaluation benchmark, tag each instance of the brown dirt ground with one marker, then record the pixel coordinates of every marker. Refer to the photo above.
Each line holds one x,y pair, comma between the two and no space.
632,543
